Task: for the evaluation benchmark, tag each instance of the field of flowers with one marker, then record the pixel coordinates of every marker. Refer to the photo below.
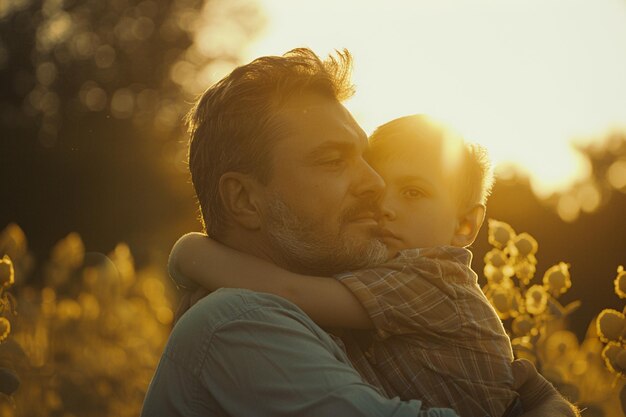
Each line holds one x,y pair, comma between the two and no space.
588,372
86,341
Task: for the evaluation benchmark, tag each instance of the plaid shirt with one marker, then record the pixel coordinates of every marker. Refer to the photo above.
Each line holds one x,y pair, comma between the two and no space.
436,338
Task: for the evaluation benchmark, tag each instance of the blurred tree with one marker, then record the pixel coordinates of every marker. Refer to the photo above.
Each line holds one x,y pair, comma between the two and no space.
607,158
91,99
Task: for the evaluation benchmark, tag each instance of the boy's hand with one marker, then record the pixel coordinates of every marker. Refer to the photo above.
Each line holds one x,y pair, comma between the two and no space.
539,397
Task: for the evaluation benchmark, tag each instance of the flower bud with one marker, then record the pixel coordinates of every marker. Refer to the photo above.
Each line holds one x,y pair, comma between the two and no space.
525,271
611,325
498,276
5,329
615,358
557,279
7,273
620,282
523,348
536,299
500,233
523,245
523,324
496,257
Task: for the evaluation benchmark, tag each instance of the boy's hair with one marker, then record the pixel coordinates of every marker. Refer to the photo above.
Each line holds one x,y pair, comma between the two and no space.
474,175
233,127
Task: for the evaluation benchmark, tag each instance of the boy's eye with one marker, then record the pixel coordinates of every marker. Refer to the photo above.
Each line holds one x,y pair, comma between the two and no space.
333,163
413,193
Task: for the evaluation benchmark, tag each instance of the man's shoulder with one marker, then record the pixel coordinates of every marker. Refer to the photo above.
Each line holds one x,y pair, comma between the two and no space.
191,337
228,304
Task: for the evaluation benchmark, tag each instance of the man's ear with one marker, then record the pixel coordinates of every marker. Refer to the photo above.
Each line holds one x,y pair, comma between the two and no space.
468,226
239,192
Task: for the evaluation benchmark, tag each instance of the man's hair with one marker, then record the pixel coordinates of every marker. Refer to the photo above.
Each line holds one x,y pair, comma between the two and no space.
233,125
474,175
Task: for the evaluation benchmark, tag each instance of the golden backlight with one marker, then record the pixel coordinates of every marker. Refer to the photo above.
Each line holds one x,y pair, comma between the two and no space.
525,78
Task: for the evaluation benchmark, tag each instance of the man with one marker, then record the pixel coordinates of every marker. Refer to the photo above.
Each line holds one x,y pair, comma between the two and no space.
277,165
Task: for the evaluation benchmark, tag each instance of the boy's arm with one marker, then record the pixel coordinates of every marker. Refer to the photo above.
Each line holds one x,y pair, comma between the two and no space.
202,260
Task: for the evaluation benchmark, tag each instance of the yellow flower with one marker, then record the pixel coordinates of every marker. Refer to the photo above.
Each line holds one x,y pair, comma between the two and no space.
536,299
557,279
500,300
69,309
123,261
89,306
496,257
13,242
69,252
611,325
500,233
507,301
498,276
5,329
620,282
524,349
525,271
561,346
615,358
523,325
523,245
7,273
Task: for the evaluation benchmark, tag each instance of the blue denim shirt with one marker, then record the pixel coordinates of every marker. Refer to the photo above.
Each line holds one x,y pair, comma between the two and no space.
244,354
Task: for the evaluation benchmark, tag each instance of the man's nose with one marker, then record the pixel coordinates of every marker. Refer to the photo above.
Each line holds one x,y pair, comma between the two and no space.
386,211
369,182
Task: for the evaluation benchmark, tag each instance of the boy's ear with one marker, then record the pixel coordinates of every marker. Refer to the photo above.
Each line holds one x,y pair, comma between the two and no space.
239,193
468,225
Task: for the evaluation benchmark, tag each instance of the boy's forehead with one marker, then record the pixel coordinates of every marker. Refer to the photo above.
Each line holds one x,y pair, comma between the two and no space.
405,149
420,156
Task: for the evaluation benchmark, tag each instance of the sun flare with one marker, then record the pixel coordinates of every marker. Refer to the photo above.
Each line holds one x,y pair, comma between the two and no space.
527,79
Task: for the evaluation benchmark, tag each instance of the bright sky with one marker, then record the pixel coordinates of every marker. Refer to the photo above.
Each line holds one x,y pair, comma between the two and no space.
525,78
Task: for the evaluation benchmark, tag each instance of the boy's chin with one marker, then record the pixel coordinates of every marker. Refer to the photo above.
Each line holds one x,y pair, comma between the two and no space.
392,252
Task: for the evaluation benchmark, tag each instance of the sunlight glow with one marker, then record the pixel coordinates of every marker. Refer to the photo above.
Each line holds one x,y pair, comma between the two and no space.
524,78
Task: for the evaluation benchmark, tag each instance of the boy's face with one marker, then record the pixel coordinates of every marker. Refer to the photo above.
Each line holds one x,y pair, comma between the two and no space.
419,205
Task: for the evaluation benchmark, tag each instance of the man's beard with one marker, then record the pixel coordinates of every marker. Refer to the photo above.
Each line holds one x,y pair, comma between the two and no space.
305,247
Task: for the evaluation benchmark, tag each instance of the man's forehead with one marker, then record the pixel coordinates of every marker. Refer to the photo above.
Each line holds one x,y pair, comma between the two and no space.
319,116
314,106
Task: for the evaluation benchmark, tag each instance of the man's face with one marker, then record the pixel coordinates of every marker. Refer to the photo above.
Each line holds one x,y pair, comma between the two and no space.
321,206
419,206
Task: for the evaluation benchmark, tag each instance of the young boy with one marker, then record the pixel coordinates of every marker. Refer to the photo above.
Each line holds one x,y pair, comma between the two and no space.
435,337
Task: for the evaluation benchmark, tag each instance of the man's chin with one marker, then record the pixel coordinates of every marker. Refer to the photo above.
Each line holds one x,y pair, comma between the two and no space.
365,222
366,229
362,247
359,234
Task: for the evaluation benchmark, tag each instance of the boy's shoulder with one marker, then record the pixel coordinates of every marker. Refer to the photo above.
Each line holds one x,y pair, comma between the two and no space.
436,265
449,263
437,253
